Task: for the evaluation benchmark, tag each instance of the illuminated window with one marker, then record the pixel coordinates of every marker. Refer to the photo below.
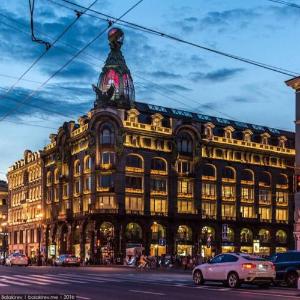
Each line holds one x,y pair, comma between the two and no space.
281,214
209,209
246,235
208,190
265,138
185,186
77,187
134,161
76,205
87,163
248,212
228,132
228,211
106,202
56,194
247,194
56,175
281,236
134,203
158,205
66,190
49,178
264,236
228,192
282,198
77,167
265,213
185,206
282,141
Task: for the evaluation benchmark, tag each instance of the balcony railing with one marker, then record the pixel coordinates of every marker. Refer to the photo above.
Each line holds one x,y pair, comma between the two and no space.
134,212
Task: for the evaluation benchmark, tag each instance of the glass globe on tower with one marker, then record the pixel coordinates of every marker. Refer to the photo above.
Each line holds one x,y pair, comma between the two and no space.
115,81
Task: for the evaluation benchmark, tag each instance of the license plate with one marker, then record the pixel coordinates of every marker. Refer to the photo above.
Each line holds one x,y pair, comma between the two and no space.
262,267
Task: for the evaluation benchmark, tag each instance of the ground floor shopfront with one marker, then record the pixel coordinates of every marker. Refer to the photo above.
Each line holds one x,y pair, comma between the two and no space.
102,239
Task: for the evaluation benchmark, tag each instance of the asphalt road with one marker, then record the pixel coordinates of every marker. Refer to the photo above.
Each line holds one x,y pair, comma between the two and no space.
122,283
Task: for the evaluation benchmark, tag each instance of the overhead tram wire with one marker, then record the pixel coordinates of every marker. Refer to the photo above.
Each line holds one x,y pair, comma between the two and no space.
47,49
285,3
68,62
136,73
166,35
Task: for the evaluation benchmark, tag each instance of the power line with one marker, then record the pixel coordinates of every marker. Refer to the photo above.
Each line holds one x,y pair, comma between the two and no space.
68,62
166,35
285,3
47,49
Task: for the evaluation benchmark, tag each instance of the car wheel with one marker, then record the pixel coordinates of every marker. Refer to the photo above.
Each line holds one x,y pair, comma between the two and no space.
291,279
233,280
198,277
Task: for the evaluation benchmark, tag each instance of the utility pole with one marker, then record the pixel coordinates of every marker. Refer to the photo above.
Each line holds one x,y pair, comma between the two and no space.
295,84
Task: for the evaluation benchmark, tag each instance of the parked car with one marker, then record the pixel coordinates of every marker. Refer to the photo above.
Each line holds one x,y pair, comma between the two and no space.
17,259
67,260
287,266
234,269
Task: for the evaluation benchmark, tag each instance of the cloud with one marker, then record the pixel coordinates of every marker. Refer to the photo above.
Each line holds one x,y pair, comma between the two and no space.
177,87
217,75
164,75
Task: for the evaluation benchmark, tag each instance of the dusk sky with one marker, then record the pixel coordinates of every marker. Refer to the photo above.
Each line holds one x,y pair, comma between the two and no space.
164,72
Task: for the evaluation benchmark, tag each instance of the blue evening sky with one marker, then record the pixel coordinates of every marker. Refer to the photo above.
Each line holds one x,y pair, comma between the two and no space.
164,72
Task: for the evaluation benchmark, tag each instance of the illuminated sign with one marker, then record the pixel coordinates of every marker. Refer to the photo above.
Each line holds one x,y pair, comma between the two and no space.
52,249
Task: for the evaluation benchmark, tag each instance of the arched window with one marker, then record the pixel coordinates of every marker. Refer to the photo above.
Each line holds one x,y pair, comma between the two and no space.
247,176
230,235
228,173
281,236
157,231
208,233
185,143
49,178
282,181
77,167
87,163
265,138
158,164
184,233
107,135
134,161
106,231
209,171
247,135
56,175
282,141
246,235
133,232
265,179
264,236
208,130
228,130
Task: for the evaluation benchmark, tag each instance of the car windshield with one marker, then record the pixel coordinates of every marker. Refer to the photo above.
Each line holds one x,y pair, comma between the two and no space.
255,258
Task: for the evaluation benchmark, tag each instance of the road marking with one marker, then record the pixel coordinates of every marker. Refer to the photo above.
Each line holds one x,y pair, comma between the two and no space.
84,278
13,282
47,279
145,292
27,280
68,279
282,296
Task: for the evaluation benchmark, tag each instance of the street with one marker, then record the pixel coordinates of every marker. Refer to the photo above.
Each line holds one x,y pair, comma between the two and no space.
124,283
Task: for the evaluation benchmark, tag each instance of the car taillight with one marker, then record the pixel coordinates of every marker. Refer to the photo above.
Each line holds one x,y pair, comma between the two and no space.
67,259
248,266
273,267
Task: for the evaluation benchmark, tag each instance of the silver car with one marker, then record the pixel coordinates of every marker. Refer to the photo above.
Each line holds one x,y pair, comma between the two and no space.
17,259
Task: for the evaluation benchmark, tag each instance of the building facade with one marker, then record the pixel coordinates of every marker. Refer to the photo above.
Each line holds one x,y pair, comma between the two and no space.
25,204
131,175
3,217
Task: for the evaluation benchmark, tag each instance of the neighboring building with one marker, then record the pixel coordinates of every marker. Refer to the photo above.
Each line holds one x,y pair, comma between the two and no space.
133,175
25,204
3,217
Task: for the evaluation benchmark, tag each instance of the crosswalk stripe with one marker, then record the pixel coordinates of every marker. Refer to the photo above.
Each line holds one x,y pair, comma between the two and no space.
75,280
46,279
84,278
21,278
12,282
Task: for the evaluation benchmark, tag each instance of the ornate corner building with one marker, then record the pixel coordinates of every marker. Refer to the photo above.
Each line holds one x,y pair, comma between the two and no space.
131,175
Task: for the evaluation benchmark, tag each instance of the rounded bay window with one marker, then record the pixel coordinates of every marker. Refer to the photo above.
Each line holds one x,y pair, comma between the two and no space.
246,236
281,236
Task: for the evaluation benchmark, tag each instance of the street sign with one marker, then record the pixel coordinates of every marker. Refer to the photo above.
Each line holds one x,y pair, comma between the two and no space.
224,231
